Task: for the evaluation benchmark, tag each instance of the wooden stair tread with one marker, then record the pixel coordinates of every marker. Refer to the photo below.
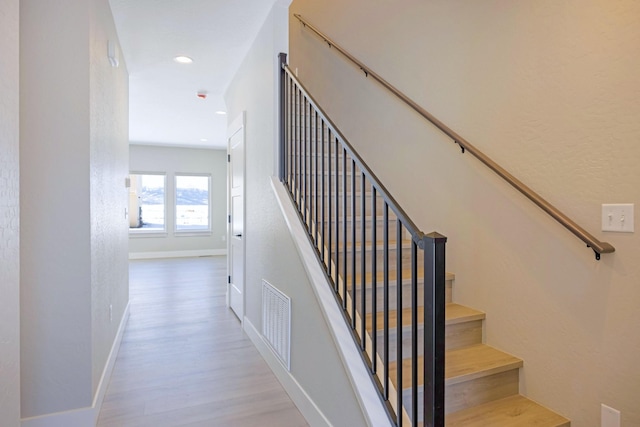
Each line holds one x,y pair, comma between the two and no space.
462,364
513,411
477,361
454,314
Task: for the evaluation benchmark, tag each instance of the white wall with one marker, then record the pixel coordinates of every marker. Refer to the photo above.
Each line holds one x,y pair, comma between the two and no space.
270,253
73,161
550,91
55,211
108,162
170,160
9,217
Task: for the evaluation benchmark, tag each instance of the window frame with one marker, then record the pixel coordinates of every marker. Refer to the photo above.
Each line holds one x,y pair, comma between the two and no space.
191,232
151,232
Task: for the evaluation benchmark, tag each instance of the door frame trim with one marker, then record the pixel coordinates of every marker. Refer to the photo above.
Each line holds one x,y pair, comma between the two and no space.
237,125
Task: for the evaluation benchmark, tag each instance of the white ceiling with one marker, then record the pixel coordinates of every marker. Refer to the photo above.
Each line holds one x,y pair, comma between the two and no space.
163,105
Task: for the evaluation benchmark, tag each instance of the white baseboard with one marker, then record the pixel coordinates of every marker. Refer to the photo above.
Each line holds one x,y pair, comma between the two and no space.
177,254
84,417
298,395
108,368
77,418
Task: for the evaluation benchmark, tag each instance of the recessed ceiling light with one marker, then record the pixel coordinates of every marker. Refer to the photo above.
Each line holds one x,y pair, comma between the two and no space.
222,113
183,59
203,139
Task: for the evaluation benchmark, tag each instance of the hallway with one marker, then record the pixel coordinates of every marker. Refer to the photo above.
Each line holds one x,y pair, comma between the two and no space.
184,360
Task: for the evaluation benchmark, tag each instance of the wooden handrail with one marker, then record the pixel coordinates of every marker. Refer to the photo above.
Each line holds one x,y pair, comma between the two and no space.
592,242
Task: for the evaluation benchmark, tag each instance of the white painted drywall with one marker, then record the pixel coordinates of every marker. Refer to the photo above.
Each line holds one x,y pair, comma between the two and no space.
550,91
73,161
270,253
109,197
9,216
55,240
172,161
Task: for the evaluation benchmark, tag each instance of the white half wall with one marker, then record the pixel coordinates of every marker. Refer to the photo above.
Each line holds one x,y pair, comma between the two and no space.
270,252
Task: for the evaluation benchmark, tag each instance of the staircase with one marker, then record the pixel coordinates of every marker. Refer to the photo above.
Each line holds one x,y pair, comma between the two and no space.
377,265
482,382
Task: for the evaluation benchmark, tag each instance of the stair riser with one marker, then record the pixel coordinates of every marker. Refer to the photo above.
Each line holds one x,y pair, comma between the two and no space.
481,390
463,334
392,260
311,178
406,295
471,393
358,237
457,336
406,342
312,201
393,297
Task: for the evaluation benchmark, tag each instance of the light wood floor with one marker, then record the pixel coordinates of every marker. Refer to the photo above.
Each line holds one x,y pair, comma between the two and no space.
184,360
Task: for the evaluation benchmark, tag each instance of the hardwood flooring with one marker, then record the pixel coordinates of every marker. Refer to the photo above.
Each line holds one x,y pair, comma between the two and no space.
184,359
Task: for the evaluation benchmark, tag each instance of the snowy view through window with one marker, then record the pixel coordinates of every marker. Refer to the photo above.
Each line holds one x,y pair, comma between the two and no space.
147,198
192,203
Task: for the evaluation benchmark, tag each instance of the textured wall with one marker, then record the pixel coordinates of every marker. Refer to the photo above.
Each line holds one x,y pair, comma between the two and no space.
146,158
270,253
108,163
9,218
550,91
54,207
73,161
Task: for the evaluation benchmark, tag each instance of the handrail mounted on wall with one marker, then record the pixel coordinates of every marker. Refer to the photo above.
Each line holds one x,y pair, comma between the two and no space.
592,242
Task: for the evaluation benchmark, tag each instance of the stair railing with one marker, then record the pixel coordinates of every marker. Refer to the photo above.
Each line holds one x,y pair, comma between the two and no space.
591,242
356,228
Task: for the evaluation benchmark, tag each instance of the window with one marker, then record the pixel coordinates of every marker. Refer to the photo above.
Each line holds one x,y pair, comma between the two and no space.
147,202
192,203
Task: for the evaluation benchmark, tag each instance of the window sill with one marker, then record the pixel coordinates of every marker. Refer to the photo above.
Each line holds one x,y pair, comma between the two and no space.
147,233
192,233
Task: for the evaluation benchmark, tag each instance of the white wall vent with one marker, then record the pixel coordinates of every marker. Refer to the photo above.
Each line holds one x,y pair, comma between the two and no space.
276,322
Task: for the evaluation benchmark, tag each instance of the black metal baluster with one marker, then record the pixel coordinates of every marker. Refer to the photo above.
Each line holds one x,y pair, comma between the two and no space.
363,262
292,142
385,296
282,168
303,181
324,195
345,275
344,227
337,216
298,137
292,125
374,281
399,318
353,244
329,200
289,131
282,129
414,332
316,236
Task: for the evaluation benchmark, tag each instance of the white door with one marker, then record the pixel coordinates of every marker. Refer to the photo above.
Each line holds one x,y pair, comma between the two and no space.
235,237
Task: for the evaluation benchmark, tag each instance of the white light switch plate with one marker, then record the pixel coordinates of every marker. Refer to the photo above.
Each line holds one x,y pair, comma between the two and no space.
618,217
609,417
